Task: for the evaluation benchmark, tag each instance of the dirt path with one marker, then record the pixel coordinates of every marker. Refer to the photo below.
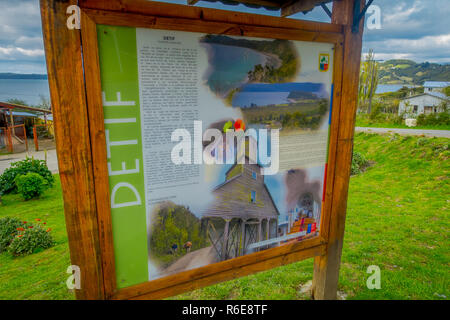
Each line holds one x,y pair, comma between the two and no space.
192,260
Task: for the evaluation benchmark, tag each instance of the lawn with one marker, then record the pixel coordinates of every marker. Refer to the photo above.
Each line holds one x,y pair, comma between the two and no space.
398,219
40,275
362,120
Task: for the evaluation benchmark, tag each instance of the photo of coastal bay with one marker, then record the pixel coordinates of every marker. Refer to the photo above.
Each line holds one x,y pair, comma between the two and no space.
234,62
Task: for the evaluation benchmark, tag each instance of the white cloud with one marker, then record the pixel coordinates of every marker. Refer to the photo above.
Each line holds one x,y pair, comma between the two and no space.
428,48
25,41
18,53
402,13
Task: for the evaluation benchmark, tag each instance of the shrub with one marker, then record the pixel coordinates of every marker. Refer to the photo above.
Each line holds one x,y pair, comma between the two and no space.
7,183
8,229
32,239
421,119
355,168
441,118
30,185
422,141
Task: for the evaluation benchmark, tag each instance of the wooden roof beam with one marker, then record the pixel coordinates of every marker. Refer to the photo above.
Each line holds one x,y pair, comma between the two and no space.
262,3
300,6
19,106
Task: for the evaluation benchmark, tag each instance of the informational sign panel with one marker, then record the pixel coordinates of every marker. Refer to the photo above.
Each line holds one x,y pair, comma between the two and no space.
216,145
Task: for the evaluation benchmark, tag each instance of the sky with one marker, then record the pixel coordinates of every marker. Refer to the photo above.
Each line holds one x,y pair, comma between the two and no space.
410,29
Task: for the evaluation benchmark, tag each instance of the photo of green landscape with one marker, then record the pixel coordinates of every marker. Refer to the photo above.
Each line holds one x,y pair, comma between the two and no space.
285,106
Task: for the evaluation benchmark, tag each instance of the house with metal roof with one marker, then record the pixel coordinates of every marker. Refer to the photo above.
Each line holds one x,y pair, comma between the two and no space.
426,103
435,86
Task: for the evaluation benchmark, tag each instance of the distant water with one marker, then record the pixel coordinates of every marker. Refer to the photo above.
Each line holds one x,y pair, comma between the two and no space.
383,88
230,66
263,94
246,99
27,90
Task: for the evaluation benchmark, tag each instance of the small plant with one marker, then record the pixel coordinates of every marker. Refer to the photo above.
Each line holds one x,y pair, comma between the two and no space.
30,185
7,183
31,239
8,230
359,163
422,141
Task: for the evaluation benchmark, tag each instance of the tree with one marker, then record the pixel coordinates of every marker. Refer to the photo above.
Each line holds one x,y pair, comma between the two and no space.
17,101
447,91
368,81
44,102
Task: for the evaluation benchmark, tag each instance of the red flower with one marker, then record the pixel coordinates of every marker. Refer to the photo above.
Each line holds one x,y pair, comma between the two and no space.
239,125
31,227
20,229
45,222
24,222
20,235
38,219
49,229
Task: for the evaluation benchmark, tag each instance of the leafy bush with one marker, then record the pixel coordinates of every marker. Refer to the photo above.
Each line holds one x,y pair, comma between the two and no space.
422,141
8,229
32,239
23,167
359,162
30,185
441,118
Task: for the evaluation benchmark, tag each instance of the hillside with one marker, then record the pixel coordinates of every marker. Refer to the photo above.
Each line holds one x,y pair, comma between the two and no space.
401,71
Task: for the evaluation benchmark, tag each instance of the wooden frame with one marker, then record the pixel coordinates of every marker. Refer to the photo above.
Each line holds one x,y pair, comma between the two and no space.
80,137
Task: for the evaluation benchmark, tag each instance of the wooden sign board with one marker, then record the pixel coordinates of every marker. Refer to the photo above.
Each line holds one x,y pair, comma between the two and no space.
159,197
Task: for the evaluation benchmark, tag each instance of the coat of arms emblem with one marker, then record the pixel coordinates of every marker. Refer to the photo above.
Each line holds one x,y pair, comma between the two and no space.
324,61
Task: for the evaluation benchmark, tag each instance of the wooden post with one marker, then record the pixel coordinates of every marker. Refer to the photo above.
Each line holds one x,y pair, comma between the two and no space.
13,131
8,133
11,116
25,137
259,230
36,146
326,267
73,144
242,237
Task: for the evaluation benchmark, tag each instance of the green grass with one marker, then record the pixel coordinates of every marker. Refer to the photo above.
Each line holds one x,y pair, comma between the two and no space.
41,275
398,219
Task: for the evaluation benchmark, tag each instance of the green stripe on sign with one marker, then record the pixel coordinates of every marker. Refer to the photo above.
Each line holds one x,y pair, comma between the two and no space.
120,86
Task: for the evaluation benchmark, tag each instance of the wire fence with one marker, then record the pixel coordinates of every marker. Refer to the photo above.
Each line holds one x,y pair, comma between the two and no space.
43,136
13,139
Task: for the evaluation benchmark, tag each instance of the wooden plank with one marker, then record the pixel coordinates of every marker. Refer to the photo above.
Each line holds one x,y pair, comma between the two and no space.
13,105
99,158
181,24
67,91
332,149
234,273
256,3
290,8
326,267
205,14
214,272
